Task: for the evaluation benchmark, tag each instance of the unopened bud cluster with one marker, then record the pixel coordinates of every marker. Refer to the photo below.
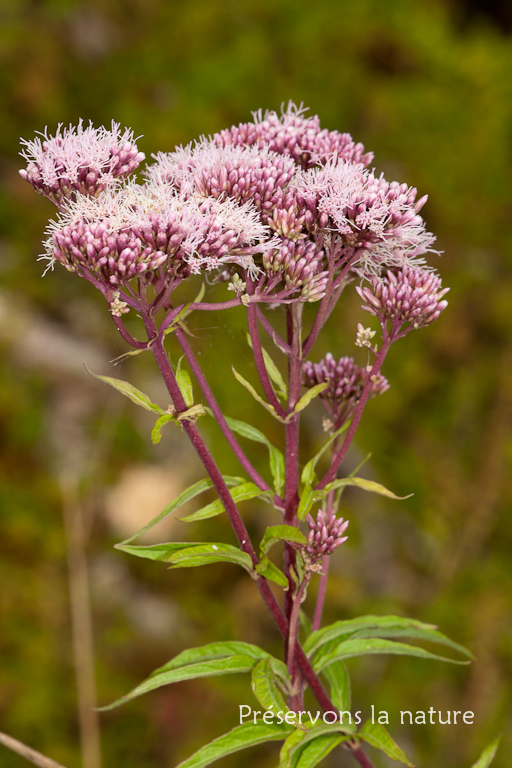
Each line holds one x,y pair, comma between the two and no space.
325,535
345,383
410,297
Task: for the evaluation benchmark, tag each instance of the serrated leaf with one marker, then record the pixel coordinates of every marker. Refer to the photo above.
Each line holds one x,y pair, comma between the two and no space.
297,742
156,433
189,493
308,473
275,533
431,635
314,752
129,391
307,397
382,626
340,688
488,754
226,666
264,687
241,737
366,485
252,391
377,736
210,552
242,492
271,572
185,383
275,455
366,647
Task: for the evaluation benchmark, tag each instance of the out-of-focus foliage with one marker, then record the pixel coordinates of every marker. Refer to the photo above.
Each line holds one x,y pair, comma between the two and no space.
432,97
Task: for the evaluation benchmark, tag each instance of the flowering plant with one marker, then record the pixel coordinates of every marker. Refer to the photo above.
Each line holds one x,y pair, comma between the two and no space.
284,214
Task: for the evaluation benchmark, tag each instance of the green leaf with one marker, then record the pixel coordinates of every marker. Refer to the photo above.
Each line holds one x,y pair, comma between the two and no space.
276,457
275,375
273,371
339,682
207,660
377,736
307,499
265,688
379,626
241,737
189,493
488,754
160,552
366,647
225,666
308,473
316,750
134,394
242,492
210,552
366,485
271,572
252,391
307,397
275,533
431,635
293,749
156,433
185,383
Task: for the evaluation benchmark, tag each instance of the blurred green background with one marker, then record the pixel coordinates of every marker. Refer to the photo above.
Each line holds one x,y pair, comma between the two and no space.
428,88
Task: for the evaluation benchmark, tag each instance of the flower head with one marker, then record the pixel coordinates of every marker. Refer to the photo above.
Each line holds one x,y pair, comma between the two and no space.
411,297
345,381
294,134
325,534
299,265
79,161
366,213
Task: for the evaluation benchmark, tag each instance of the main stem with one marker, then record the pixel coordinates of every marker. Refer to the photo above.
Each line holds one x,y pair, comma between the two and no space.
157,347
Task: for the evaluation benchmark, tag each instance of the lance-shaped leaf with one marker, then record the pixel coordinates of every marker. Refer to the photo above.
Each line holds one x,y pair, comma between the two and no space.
308,497
366,485
242,492
185,383
340,688
299,745
273,372
258,398
307,397
189,493
129,391
379,626
264,687
207,661
270,571
160,552
276,533
488,754
308,473
156,433
377,736
241,737
209,552
366,647
275,455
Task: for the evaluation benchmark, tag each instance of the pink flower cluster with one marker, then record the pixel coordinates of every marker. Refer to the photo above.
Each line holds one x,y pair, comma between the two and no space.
285,206
325,535
409,297
345,381
79,161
